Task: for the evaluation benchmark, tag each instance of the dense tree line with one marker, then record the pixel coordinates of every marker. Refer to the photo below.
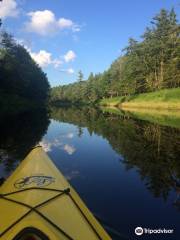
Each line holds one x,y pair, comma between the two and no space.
20,76
147,65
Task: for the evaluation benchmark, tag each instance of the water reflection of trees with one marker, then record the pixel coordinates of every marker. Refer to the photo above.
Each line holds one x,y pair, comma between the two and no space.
150,148
19,133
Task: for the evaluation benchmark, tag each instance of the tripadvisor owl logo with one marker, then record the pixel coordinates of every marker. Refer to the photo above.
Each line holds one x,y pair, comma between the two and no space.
139,231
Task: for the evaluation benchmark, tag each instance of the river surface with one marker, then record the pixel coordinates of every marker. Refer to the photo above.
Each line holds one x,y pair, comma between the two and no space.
127,170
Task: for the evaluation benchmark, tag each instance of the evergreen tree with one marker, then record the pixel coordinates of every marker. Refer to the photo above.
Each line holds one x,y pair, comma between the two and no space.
80,76
19,74
147,65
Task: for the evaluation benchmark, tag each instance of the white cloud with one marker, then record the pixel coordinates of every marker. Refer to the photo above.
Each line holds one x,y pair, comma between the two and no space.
69,56
57,63
69,70
76,28
69,135
8,8
44,58
41,22
69,149
48,145
45,23
65,23
57,142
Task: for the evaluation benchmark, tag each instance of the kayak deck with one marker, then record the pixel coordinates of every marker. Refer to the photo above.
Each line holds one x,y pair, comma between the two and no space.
37,196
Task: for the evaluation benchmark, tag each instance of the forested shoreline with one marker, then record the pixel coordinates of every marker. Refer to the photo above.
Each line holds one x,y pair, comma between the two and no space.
149,65
23,84
146,66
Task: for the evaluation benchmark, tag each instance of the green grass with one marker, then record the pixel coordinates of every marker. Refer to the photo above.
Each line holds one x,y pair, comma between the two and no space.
165,95
111,101
163,99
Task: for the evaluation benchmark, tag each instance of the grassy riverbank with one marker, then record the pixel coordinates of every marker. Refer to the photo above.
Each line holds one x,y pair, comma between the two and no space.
162,117
163,99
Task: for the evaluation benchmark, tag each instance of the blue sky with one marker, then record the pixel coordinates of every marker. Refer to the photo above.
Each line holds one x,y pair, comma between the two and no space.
65,36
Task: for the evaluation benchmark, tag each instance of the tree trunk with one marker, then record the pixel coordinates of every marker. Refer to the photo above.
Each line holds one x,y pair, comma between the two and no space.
161,74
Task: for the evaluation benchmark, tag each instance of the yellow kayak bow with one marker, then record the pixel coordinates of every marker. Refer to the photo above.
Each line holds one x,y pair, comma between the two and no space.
36,202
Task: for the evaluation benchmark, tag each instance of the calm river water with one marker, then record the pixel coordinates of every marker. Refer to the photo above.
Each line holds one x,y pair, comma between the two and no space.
126,170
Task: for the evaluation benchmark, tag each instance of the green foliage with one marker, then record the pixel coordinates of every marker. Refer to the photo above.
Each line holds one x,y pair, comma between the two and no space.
13,104
149,65
19,74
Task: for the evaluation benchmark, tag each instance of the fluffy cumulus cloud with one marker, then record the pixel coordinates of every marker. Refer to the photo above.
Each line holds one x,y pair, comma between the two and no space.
69,56
48,145
41,22
45,23
65,23
44,58
8,8
69,149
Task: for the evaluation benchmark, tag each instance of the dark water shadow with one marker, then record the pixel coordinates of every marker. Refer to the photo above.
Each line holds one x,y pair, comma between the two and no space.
18,134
